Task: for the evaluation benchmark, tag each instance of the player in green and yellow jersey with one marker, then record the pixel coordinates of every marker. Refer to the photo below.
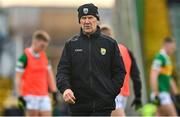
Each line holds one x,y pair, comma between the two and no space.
161,79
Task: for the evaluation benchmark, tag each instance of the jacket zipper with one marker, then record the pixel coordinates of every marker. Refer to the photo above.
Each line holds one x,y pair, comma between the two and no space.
90,70
90,67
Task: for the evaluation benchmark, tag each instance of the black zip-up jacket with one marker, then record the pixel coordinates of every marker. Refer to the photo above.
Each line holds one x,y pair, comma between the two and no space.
93,69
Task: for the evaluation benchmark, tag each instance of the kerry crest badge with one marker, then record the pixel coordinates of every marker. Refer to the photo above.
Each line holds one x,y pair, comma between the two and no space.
103,51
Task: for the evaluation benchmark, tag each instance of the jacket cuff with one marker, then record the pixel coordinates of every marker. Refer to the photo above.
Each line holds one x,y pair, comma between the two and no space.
138,96
62,89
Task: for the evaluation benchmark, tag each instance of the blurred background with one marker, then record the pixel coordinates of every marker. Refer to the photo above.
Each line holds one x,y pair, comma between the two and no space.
139,24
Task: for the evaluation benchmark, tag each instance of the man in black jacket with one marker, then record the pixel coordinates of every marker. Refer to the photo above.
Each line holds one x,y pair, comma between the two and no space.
90,72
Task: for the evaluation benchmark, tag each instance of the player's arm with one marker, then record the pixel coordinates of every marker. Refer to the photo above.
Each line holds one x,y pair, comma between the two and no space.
175,92
174,87
153,80
137,85
154,73
135,76
17,82
51,79
52,85
20,66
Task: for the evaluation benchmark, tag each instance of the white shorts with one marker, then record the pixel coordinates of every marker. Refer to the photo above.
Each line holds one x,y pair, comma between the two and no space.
164,97
121,101
41,103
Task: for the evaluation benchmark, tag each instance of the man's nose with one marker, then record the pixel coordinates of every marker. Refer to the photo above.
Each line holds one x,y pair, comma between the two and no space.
86,20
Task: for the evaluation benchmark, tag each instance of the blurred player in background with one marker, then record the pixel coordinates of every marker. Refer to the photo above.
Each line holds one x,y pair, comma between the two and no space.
131,71
161,79
34,77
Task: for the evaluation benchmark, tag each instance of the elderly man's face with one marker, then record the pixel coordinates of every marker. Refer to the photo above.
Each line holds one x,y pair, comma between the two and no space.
88,24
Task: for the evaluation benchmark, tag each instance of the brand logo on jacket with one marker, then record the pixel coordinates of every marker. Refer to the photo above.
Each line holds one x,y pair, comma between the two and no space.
103,51
78,50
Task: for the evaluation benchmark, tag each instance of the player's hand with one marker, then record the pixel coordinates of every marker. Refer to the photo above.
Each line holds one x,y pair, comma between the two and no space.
177,97
68,96
21,103
156,101
137,103
55,98
177,100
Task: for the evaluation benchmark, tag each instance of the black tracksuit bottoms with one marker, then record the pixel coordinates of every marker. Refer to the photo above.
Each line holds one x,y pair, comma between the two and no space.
92,113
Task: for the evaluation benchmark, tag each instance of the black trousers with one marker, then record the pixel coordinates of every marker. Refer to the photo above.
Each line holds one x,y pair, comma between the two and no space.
92,113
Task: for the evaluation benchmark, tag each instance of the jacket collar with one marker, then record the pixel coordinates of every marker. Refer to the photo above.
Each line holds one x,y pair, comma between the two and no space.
94,35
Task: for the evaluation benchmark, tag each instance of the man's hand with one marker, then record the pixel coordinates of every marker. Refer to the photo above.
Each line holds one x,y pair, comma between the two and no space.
137,103
68,96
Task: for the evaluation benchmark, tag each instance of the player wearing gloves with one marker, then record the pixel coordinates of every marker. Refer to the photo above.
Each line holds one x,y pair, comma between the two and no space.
34,76
161,79
131,71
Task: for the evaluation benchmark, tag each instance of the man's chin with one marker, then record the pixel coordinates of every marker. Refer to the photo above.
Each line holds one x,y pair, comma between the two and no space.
88,31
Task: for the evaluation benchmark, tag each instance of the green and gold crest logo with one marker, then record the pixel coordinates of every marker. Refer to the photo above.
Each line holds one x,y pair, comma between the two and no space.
103,51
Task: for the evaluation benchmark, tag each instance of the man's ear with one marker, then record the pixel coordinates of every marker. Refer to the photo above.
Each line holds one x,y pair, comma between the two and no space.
98,23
